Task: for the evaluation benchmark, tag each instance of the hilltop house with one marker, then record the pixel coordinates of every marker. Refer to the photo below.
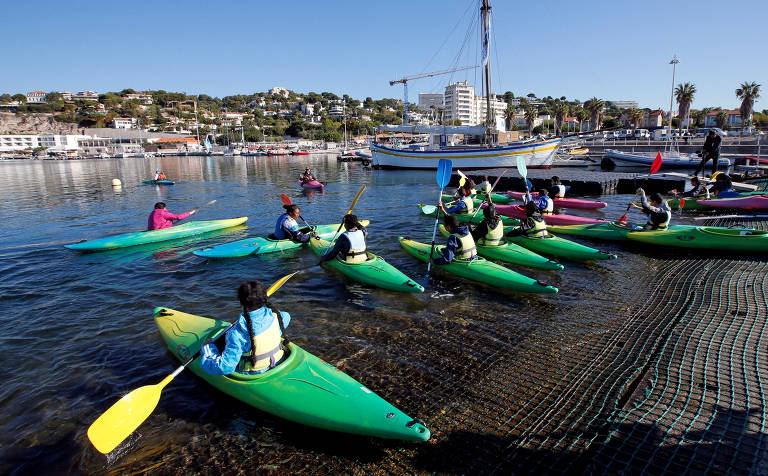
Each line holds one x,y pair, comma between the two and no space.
35,97
734,118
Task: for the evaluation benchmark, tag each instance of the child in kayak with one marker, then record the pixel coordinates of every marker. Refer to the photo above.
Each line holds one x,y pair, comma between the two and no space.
545,204
159,175
460,244
260,327
723,187
350,247
533,225
306,176
698,190
286,227
657,209
558,189
490,232
161,218
484,187
461,206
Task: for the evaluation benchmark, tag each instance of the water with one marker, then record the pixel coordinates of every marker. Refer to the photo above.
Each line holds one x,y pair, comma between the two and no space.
78,330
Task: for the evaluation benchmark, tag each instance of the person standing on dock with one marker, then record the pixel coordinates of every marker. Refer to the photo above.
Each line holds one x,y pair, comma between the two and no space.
711,150
460,244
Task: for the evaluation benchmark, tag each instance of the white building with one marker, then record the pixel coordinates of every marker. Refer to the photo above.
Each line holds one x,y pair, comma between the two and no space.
36,97
336,110
498,107
308,109
124,123
459,103
87,95
54,143
146,99
278,91
626,104
426,100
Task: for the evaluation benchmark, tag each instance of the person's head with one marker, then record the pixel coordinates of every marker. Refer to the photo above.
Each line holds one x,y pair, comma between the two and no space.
350,221
695,181
555,180
485,178
451,223
712,133
158,170
159,205
655,199
292,210
306,171
531,208
466,190
489,211
543,192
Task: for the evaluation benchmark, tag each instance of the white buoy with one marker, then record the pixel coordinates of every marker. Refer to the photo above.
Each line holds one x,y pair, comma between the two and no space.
116,182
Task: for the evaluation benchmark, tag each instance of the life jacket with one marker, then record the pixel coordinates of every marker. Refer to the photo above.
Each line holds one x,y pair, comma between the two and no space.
268,349
467,248
286,221
494,236
356,253
660,226
469,203
484,187
539,229
560,190
545,204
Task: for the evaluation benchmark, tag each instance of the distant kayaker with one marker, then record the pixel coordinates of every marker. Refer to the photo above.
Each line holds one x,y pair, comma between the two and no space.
484,186
161,218
286,227
723,186
462,205
698,190
533,225
159,175
711,150
350,247
460,244
657,209
490,232
254,343
545,204
558,189
307,176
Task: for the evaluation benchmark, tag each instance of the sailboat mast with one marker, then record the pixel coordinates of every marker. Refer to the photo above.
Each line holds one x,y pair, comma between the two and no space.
486,49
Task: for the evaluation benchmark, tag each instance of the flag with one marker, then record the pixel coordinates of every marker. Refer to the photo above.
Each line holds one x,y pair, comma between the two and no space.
487,40
656,165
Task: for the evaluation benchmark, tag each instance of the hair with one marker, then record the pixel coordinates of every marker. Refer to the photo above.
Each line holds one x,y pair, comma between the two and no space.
290,208
253,295
485,178
490,215
556,180
451,221
350,221
531,208
656,197
466,190
470,184
159,205
712,132
544,192
694,179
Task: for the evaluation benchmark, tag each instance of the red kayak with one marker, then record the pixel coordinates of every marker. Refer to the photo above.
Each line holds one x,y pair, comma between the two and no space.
300,152
754,202
516,211
565,202
314,184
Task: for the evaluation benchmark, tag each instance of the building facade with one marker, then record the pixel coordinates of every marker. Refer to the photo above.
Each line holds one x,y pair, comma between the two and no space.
625,104
734,118
427,100
124,123
36,97
459,103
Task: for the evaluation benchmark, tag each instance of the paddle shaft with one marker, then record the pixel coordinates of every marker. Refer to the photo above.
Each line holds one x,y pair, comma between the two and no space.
434,232
488,195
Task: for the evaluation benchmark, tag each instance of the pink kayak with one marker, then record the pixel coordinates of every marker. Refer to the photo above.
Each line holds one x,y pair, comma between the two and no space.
311,184
565,202
753,202
516,211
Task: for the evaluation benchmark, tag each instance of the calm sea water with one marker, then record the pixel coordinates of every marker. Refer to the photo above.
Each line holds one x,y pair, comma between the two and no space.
77,329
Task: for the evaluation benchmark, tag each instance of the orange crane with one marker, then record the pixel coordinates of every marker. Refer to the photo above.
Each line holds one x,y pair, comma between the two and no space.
404,82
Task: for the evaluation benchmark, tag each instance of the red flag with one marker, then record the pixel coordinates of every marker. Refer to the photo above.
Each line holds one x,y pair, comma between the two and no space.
656,165
682,203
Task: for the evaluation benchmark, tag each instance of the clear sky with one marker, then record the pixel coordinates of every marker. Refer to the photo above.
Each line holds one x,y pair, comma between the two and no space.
612,50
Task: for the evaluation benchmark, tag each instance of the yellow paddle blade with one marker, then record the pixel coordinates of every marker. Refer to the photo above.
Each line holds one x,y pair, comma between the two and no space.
462,181
277,284
122,418
357,197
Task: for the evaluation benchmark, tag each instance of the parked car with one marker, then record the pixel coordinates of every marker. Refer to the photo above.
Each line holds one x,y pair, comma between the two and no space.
642,134
625,134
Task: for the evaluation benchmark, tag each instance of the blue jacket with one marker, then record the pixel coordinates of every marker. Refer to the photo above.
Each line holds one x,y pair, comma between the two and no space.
457,208
238,342
449,252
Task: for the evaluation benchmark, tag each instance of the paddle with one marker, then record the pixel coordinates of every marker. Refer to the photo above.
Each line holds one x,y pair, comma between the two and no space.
287,200
351,207
523,170
655,166
488,195
203,206
122,418
444,167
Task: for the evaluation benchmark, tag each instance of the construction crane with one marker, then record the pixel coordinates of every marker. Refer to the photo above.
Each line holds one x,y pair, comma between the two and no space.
404,82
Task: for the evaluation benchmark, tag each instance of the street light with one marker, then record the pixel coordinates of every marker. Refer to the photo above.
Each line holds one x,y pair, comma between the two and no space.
674,63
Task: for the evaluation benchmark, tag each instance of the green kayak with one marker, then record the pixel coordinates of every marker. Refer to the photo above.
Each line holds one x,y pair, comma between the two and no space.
429,210
706,237
515,254
302,388
264,244
480,270
604,231
561,248
375,271
143,237
688,204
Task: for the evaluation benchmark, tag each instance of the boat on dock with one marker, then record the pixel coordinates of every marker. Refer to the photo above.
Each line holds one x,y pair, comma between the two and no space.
673,159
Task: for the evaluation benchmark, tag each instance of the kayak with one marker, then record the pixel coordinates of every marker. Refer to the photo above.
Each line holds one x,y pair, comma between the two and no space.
430,210
688,204
302,388
375,271
602,231
311,184
159,182
480,270
517,211
143,237
480,198
261,245
561,248
706,237
754,202
574,203
513,253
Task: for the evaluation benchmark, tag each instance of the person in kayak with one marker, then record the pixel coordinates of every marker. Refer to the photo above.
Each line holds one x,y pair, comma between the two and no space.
159,175
490,232
307,176
533,225
657,209
461,206
558,189
460,244
545,204
286,227
484,187
698,190
723,187
254,343
350,247
161,218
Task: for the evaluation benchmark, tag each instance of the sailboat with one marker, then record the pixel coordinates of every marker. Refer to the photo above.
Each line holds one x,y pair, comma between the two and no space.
490,154
346,155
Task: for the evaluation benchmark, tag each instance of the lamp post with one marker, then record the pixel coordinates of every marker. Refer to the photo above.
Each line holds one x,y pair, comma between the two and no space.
674,63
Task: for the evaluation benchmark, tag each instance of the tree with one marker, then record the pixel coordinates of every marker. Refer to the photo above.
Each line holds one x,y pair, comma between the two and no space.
20,98
698,117
5,98
531,95
684,94
508,97
560,110
635,116
747,92
721,119
509,116
581,115
594,107
530,118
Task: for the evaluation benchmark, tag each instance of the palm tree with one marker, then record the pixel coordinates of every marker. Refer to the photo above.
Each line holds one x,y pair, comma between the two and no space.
747,92
561,110
509,116
635,116
581,115
594,107
721,119
530,118
684,96
697,116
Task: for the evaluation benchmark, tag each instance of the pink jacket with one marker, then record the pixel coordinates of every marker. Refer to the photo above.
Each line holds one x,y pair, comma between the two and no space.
161,218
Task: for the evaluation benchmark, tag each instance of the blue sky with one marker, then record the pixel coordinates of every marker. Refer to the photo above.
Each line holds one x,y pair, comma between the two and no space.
612,50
